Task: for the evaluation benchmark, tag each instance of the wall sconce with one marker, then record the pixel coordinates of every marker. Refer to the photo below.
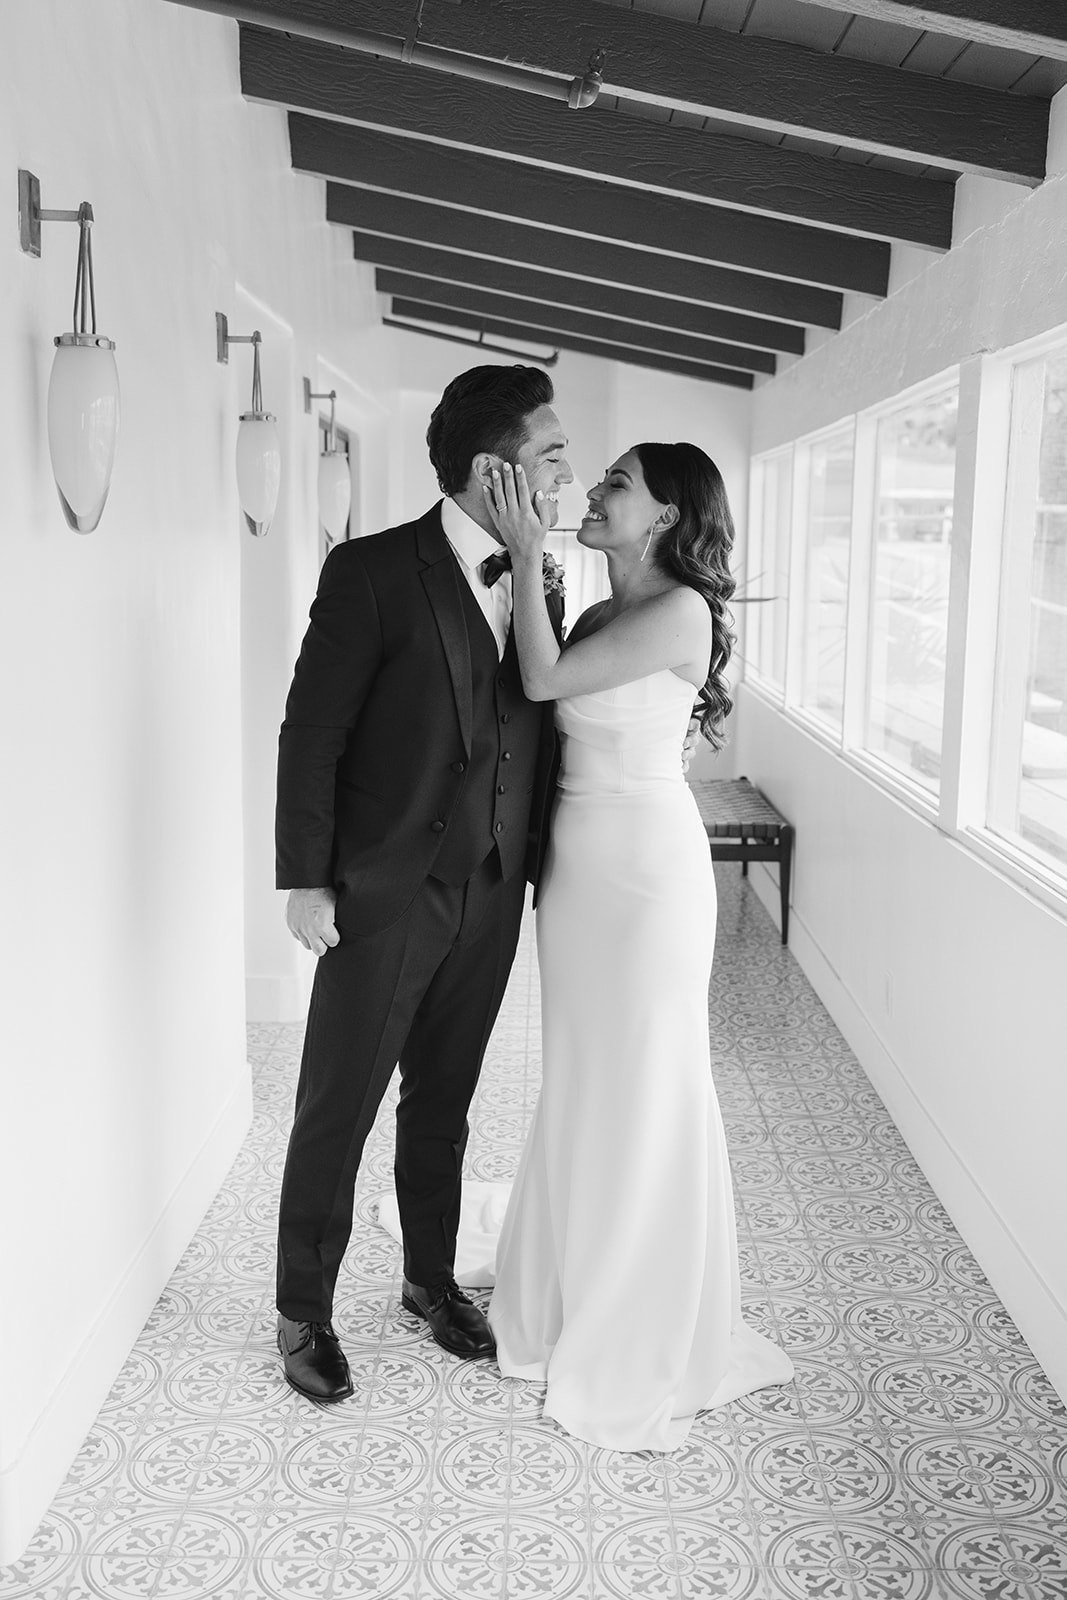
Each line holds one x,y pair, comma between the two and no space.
83,391
259,454
335,478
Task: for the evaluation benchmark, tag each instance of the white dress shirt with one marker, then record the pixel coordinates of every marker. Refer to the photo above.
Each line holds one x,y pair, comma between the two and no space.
471,545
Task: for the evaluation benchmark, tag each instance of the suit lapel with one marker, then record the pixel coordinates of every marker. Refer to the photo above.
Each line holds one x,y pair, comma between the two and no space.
441,579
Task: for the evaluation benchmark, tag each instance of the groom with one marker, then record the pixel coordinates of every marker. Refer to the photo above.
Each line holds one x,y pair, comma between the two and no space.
409,764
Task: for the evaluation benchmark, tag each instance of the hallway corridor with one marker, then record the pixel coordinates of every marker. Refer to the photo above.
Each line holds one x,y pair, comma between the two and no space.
920,1455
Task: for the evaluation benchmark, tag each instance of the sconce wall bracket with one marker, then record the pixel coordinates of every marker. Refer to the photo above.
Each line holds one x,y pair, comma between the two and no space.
319,394
31,214
222,337
323,394
223,340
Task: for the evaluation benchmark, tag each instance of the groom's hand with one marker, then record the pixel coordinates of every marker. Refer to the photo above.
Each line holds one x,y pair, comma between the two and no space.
309,918
692,739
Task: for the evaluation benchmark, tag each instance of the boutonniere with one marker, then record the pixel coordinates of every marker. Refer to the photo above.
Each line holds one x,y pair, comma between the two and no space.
552,575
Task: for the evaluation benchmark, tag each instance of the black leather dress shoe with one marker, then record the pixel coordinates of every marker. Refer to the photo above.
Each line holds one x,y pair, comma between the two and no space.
455,1321
313,1359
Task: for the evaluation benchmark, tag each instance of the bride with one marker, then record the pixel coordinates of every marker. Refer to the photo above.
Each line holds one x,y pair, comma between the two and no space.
616,1279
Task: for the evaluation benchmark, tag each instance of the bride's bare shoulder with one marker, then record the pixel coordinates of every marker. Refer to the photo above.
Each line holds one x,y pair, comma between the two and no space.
681,603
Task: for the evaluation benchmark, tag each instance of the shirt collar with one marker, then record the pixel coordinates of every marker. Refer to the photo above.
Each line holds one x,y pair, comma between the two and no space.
470,542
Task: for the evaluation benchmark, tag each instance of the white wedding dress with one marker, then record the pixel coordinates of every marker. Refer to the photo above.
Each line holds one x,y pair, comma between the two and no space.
616,1268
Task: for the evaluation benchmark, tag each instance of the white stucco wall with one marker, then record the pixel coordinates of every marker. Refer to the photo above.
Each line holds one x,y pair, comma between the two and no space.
129,656
947,978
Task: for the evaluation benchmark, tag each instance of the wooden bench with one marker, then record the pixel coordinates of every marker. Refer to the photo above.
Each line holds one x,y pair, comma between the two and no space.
742,825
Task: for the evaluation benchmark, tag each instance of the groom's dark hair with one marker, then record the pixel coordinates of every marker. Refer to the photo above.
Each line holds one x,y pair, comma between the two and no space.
483,409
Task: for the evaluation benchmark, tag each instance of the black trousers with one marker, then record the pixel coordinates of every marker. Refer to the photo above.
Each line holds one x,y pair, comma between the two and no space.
425,993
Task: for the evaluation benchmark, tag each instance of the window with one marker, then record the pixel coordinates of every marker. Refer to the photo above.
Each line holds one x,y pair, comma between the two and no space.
1028,788
847,588
826,492
915,461
765,591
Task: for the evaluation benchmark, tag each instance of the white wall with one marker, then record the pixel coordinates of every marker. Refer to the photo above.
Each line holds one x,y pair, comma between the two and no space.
947,979
125,1085
279,575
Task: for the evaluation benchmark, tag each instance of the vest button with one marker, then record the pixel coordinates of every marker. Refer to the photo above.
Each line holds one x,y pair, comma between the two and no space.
500,789
459,766
500,827
505,755
437,827
506,717
501,683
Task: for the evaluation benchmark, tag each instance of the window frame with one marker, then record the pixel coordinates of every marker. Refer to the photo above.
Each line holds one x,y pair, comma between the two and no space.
924,799
1008,589
811,716
755,571
981,549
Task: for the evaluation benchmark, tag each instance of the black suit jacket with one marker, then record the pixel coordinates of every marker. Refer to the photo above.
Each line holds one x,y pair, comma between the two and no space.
377,721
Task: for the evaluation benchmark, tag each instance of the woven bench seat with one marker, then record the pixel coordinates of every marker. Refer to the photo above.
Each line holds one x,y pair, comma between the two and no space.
742,825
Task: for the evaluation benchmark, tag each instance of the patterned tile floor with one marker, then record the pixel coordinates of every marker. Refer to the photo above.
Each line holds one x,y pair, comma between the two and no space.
920,1455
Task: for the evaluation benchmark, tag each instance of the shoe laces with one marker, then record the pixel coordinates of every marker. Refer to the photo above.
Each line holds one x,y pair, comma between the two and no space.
321,1330
450,1290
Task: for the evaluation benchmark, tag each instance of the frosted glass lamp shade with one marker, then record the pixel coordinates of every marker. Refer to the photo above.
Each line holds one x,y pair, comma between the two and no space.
259,470
83,425
335,492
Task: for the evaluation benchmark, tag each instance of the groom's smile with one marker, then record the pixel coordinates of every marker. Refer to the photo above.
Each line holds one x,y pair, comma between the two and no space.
542,457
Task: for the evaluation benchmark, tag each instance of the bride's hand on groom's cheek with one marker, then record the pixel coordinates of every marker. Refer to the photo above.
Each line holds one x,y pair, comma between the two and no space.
521,521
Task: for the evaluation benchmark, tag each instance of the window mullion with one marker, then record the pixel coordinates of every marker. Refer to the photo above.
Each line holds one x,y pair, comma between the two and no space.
752,624
859,583
964,582
798,555
1016,582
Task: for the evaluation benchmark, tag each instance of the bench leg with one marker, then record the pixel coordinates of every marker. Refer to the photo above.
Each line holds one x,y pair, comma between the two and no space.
785,861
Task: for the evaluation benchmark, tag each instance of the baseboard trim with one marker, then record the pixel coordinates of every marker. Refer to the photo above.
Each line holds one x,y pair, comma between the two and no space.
1031,1303
276,999
29,1482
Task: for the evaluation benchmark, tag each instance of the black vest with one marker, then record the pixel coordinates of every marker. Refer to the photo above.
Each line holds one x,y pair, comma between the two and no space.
492,810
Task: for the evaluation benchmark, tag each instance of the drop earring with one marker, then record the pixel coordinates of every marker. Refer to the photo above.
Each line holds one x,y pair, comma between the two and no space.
648,541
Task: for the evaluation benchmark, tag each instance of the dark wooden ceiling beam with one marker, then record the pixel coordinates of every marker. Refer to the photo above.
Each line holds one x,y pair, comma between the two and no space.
1036,26
749,79
526,295
553,325
730,376
368,157
744,78
574,256
305,76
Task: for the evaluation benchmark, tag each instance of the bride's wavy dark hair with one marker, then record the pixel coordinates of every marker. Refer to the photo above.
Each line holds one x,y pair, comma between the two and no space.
696,550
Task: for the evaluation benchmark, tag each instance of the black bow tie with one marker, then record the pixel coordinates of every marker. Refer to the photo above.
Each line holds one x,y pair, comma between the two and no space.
494,565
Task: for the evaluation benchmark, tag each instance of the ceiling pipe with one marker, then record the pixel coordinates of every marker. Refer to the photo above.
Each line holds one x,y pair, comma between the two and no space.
480,343
578,92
